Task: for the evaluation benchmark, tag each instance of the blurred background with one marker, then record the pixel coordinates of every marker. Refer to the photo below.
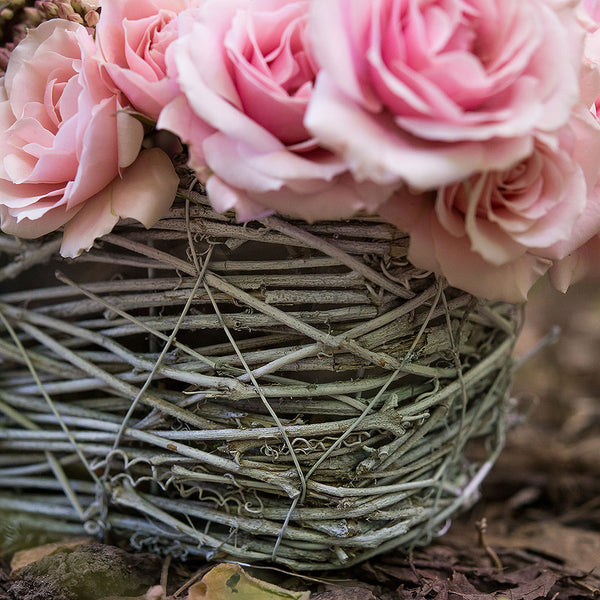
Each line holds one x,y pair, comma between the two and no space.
544,492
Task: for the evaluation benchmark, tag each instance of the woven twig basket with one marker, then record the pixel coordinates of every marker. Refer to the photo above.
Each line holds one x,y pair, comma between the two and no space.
269,391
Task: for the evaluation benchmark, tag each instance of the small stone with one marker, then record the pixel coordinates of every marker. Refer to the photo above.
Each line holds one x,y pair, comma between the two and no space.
89,572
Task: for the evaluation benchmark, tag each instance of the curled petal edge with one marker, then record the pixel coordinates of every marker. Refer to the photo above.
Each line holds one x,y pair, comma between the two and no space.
145,193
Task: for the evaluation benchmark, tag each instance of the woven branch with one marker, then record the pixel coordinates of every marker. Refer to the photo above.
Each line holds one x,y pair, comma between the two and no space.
269,391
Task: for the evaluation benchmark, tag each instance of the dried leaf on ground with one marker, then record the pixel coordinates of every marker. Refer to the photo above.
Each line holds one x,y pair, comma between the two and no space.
460,588
537,588
229,581
460,570
578,548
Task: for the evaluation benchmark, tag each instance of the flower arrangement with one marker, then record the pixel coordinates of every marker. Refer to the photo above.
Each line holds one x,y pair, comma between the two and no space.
469,124
293,361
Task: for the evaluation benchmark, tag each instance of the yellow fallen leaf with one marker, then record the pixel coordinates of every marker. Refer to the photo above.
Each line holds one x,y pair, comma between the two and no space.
229,582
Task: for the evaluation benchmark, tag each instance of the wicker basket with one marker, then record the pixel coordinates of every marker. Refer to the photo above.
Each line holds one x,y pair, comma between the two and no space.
269,391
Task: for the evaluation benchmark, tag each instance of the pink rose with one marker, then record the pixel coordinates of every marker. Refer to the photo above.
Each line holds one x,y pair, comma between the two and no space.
428,93
64,139
246,72
496,233
133,36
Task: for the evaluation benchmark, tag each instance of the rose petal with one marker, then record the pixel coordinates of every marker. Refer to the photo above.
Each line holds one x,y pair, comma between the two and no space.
324,203
566,271
98,160
433,248
26,196
178,118
466,270
94,219
379,151
149,100
145,192
33,228
245,167
585,228
574,267
223,197
147,188
332,25
130,133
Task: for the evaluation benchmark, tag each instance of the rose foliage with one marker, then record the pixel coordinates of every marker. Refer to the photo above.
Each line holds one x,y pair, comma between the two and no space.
471,125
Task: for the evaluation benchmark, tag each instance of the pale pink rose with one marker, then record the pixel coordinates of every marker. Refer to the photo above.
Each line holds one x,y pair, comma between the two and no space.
64,137
428,93
497,232
246,71
133,37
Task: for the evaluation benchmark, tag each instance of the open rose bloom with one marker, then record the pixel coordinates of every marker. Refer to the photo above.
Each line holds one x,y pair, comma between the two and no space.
474,109
469,124
133,38
246,71
68,146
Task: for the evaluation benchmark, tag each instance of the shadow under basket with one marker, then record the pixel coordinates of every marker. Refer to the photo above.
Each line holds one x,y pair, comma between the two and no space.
262,392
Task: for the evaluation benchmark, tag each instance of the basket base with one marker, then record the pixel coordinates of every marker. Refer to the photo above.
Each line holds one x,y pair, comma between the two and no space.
271,391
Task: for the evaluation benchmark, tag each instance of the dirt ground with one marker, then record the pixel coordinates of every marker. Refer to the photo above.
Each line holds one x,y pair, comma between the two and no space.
536,531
